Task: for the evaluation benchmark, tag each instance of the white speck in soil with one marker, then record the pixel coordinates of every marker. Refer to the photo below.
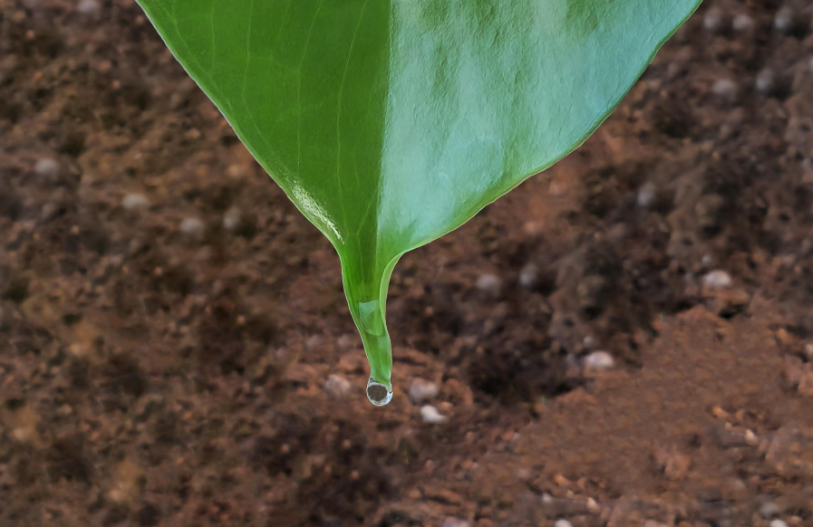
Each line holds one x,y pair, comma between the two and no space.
489,284
337,386
783,21
528,276
717,280
707,261
231,220
46,167
430,415
421,391
88,7
133,202
778,523
192,227
714,20
765,81
646,196
725,88
808,347
562,523
599,361
743,23
589,342
455,522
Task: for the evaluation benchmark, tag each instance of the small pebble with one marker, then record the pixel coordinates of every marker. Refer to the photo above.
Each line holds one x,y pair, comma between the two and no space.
562,523
765,81
88,7
599,361
231,220
778,523
533,228
646,196
717,280
743,23
707,261
725,88
430,415
528,276
808,347
713,21
589,342
337,386
421,391
769,510
783,21
46,167
134,202
192,227
489,284
653,523
455,522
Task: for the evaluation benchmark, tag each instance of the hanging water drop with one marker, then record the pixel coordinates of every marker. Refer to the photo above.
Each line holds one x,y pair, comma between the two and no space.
377,393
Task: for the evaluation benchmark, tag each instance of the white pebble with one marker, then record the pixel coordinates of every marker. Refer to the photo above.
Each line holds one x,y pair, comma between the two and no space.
430,415
192,227
88,7
562,523
743,23
783,21
528,276
489,284
337,386
713,21
455,522
599,361
764,82
231,220
646,196
46,167
725,88
135,201
589,342
421,391
778,523
717,280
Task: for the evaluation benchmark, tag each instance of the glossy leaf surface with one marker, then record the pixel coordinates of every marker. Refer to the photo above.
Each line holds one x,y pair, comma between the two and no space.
392,122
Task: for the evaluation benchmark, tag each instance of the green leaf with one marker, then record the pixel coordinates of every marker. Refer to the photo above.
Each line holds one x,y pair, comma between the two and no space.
390,123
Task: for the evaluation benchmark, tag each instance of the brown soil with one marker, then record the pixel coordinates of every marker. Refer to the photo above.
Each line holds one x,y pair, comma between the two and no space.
160,366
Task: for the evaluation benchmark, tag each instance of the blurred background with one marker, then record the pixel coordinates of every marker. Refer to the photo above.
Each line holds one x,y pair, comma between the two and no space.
624,340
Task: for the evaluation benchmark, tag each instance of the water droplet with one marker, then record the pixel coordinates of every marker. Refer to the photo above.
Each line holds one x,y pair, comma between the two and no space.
377,393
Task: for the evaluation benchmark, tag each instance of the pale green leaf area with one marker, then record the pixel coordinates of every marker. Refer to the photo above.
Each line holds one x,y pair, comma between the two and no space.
390,123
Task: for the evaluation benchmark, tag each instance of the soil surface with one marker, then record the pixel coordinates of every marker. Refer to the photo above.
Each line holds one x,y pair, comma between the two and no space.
626,339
